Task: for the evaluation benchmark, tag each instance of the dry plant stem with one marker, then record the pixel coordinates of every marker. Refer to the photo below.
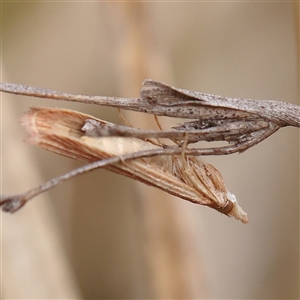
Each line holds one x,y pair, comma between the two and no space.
15,202
241,122
163,100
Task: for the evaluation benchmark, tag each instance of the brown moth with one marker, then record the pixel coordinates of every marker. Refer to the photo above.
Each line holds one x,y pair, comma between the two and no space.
70,133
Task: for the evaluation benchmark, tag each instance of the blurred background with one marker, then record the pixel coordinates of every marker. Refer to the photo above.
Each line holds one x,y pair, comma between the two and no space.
103,236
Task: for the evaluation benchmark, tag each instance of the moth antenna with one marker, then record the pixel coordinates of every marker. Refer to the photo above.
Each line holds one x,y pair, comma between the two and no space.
157,122
121,116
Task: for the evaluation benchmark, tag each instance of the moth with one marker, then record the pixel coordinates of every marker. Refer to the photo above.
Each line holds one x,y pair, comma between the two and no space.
175,168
